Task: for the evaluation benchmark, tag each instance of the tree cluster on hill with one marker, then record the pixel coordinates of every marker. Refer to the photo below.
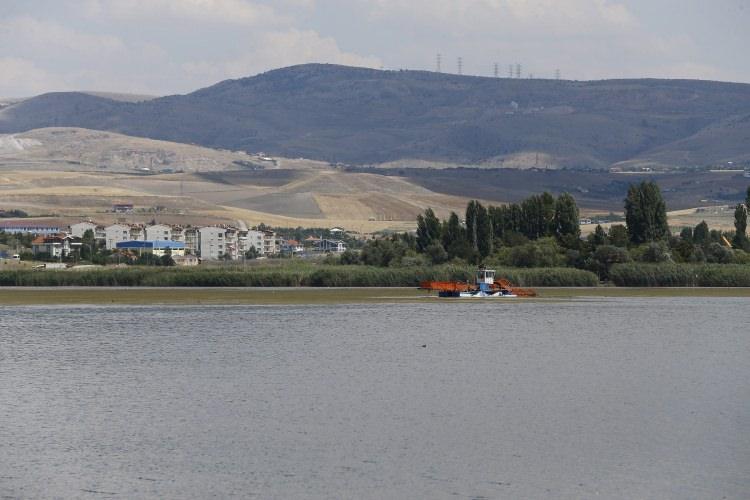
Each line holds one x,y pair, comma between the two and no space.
15,213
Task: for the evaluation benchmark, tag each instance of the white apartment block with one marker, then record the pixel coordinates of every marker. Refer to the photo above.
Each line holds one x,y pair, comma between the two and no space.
231,236
137,232
271,243
122,232
79,228
116,233
158,232
253,239
178,233
209,243
212,242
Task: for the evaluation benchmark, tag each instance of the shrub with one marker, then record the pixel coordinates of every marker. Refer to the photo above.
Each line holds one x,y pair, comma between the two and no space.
670,274
544,252
288,276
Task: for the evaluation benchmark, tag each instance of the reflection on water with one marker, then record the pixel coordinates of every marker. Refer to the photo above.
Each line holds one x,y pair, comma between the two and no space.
617,398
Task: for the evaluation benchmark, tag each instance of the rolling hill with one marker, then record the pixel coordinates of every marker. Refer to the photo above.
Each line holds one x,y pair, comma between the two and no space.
362,116
74,172
69,149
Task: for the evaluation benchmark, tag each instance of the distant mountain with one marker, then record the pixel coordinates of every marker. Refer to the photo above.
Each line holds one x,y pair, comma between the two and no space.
365,116
120,96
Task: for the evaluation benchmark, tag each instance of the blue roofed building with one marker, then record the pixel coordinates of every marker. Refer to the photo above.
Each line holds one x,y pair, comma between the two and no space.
156,247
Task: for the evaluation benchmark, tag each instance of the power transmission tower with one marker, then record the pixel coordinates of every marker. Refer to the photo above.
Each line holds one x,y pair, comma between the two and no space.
460,65
518,70
557,74
510,71
438,61
496,71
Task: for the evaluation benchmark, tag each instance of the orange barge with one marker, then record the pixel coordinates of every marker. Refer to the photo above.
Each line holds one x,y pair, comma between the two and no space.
485,285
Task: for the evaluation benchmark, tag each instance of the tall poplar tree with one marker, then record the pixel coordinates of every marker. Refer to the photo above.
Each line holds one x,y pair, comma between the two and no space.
645,213
471,224
740,226
566,216
428,229
454,237
485,234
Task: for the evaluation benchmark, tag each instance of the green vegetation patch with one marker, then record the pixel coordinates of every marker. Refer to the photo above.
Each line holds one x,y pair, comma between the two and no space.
297,275
671,274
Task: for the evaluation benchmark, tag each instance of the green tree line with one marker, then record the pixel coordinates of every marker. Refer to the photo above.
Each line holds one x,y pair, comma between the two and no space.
544,231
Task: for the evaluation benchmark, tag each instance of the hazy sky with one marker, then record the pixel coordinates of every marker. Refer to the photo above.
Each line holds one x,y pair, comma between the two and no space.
176,46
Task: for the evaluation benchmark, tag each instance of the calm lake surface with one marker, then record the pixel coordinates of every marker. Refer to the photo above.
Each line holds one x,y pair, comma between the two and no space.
607,397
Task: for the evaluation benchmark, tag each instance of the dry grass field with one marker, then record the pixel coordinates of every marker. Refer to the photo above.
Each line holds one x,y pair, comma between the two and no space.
73,173
77,173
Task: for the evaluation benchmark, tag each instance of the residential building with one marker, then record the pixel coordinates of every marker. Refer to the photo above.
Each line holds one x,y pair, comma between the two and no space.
178,233
186,260
271,243
293,247
78,229
334,246
254,239
122,232
17,227
56,246
212,242
311,242
232,243
158,232
156,247
191,237
122,208
137,232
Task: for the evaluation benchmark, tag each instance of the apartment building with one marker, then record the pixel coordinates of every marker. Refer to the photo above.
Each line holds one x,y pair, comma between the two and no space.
80,228
212,241
254,239
158,232
116,233
191,237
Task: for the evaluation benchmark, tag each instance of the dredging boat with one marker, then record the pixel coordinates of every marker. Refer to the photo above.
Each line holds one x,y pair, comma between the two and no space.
485,285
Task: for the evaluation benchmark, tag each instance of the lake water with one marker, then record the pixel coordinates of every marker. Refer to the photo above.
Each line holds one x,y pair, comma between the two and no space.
608,398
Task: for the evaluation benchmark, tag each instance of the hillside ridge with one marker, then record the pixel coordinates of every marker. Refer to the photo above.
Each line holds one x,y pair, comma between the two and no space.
365,116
